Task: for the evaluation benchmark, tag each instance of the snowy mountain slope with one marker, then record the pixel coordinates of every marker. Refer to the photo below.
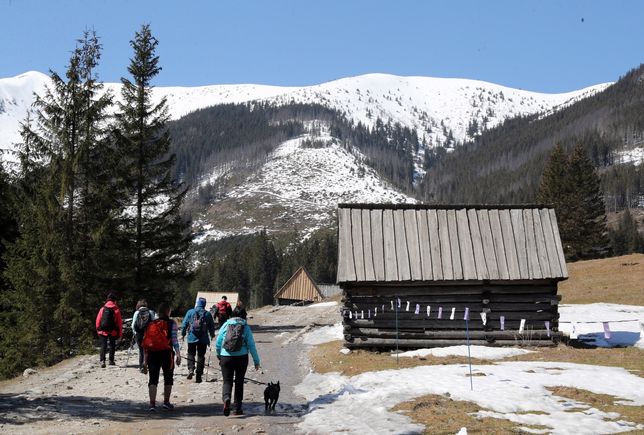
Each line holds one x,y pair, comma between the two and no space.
297,188
437,108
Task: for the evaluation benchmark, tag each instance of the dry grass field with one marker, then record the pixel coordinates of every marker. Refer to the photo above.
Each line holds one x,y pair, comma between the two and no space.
617,280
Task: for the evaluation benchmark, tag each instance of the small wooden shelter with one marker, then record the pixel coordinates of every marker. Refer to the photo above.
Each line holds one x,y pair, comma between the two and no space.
299,289
213,297
400,265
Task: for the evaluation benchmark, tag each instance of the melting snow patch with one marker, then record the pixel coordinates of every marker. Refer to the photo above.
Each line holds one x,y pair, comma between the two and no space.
478,352
515,391
324,334
323,304
585,321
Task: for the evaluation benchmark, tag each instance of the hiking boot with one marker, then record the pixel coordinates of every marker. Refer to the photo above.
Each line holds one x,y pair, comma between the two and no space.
168,406
190,375
102,364
227,408
152,408
238,412
198,380
112,363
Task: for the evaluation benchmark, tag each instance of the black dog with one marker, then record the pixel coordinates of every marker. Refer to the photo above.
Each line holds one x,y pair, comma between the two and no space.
271,395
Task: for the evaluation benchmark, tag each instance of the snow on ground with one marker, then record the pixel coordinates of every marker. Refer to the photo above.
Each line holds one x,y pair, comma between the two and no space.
478,352
324,334
511,390
635,156
585,322
322,304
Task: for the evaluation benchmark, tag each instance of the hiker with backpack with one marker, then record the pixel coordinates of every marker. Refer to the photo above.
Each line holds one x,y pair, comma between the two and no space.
224,311
109,326
234,342
142,317
200,327
160,344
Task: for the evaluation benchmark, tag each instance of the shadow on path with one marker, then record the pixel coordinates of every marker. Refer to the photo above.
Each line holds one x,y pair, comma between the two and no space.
19,410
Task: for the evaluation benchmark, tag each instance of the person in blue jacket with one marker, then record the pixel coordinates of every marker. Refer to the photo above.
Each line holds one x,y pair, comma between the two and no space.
234,342
200,327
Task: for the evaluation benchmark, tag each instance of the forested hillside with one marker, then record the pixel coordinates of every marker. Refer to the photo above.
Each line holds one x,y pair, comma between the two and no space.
505,163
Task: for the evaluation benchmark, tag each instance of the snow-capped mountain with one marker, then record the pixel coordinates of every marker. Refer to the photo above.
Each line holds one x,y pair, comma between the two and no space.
299,185
437,108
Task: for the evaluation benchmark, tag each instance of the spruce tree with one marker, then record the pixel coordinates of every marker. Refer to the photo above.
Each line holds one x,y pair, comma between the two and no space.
589,236
157,235
571,185
53,266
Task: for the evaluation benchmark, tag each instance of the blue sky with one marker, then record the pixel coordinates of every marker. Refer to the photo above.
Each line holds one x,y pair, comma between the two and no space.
546,46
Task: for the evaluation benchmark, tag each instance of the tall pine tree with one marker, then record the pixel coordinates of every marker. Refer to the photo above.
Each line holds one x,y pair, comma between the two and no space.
52,267
571,185
157,235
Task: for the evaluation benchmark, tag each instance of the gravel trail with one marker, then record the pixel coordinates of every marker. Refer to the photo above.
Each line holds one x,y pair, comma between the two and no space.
77,396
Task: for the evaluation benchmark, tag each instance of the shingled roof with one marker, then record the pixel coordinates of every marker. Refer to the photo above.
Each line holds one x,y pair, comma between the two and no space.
390,243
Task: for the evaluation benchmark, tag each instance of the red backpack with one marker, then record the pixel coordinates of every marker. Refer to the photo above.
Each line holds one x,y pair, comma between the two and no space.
157,336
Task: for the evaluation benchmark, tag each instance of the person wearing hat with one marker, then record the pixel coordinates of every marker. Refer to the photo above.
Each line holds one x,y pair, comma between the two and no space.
109,326
200,327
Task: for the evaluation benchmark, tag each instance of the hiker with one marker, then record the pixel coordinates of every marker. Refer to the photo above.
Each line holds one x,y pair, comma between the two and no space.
200,326
161,345
234,341
224,311
109,326
141,319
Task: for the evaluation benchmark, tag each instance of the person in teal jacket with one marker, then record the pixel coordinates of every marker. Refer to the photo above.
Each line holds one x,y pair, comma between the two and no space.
235,362
198,341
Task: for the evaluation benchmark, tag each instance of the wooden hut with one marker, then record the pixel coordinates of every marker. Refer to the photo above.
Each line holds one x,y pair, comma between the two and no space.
299,289
501,262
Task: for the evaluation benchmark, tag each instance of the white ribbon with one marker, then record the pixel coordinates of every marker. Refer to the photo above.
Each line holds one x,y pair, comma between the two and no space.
407,308
417,312
484,318
521,325
451,316
429,309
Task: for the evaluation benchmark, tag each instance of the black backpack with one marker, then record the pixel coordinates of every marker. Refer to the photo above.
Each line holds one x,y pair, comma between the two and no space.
142,320
108,322
234,337
198,324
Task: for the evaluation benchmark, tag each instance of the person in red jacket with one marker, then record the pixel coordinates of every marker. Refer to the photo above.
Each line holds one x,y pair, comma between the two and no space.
109,326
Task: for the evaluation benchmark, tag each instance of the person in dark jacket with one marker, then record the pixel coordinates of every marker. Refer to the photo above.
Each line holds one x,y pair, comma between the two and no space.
234,363
109,326
198,341
144,312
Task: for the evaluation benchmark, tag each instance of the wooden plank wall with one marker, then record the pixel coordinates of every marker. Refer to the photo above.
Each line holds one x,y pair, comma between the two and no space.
444,244
299,288
372,323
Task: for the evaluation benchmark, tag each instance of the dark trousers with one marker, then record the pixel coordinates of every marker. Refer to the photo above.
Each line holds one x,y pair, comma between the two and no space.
199,350
234,367
139,343
104,340
161,360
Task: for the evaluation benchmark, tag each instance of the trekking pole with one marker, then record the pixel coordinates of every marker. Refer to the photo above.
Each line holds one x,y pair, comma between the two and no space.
208,365
129,351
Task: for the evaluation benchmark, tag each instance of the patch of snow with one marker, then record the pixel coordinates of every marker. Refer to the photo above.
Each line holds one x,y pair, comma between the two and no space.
323,334
635,156
587,321
323,304
515,391
478,352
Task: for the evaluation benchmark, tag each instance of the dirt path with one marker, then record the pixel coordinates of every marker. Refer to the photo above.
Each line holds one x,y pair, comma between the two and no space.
77,396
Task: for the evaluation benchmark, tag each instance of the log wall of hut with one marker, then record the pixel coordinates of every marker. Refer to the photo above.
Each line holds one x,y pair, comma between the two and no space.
536,302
